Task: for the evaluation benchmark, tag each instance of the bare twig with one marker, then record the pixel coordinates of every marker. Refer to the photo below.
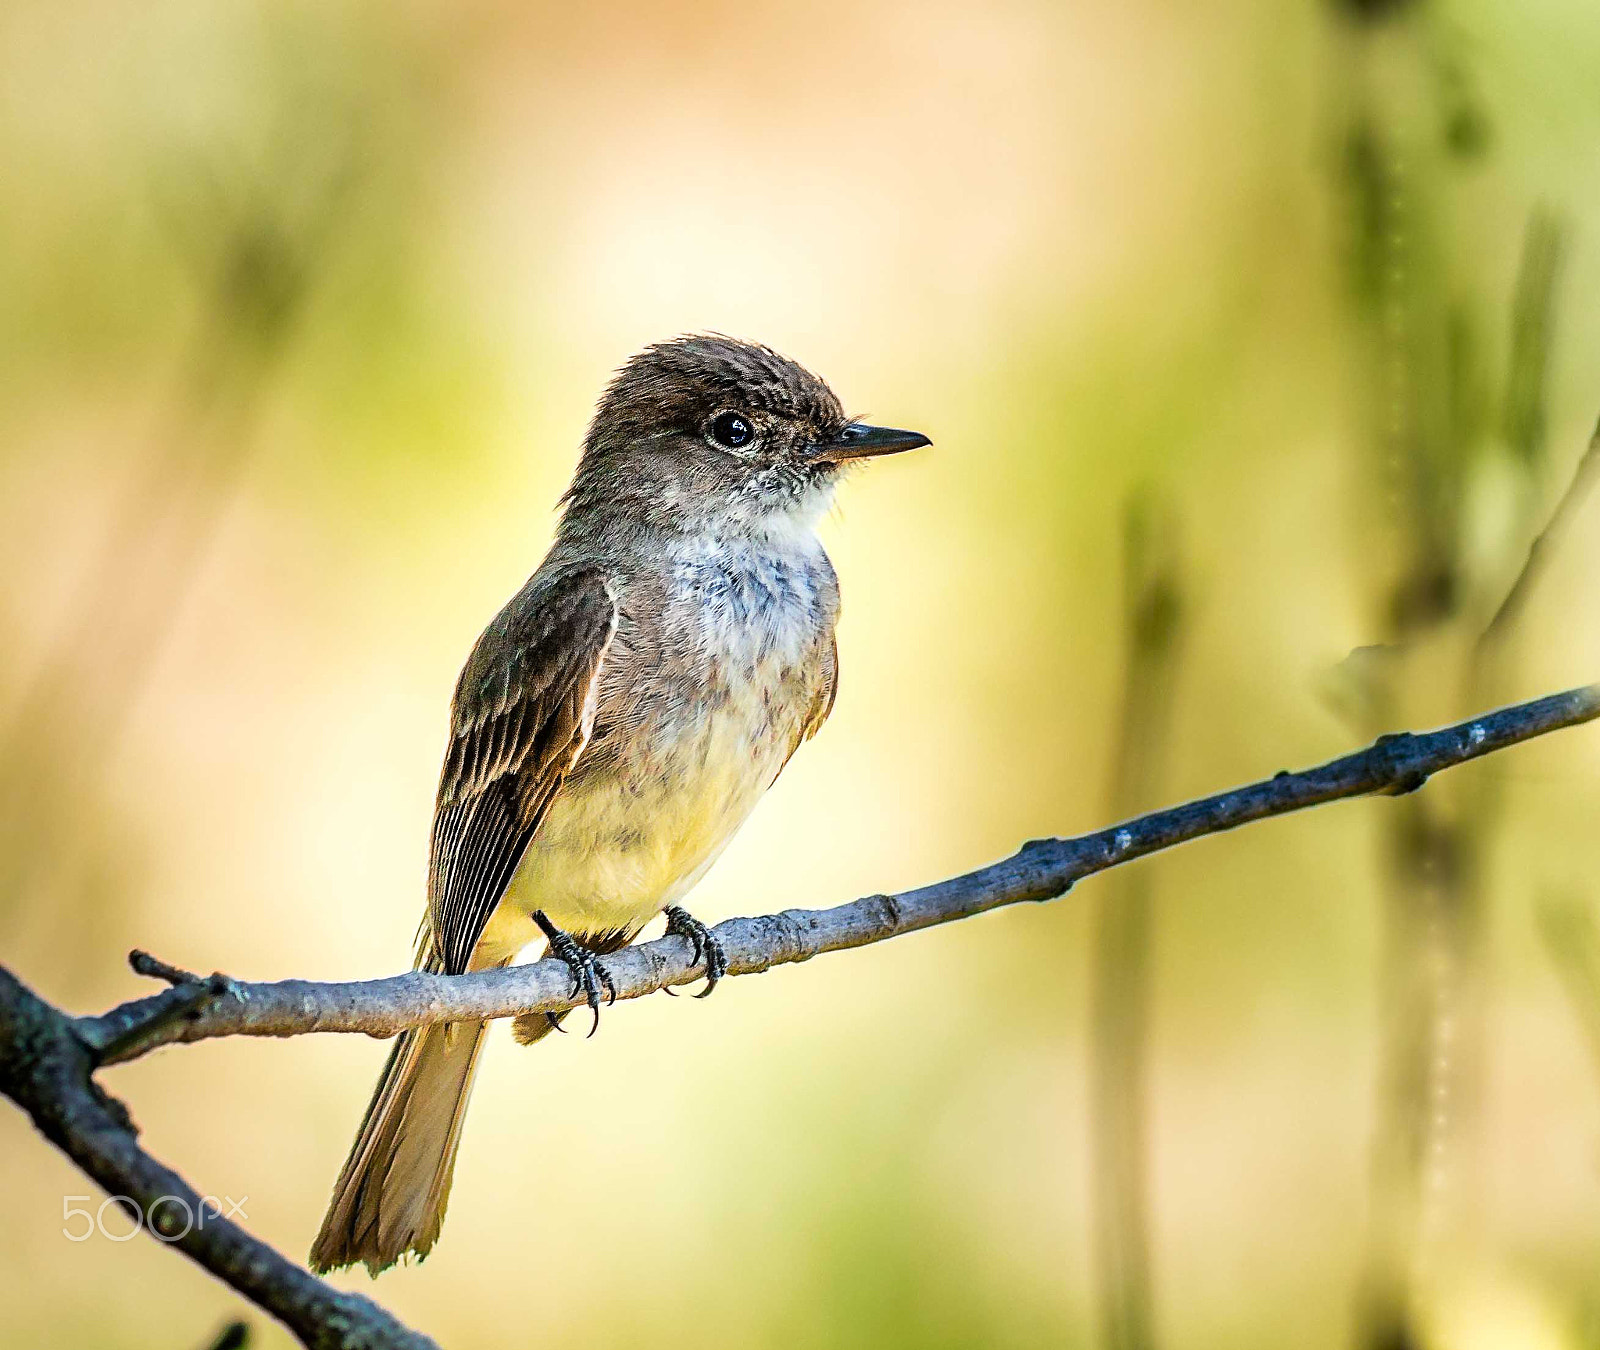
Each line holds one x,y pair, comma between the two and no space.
46,1069
1040,870
142,963
188,995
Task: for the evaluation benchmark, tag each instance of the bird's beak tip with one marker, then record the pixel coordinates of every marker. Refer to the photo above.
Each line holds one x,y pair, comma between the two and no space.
860,441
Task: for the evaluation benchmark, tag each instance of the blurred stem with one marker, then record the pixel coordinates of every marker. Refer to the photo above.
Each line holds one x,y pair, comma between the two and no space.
1523,415
1121,970
1570,936
1541,549
1420,339
1399,304
257,273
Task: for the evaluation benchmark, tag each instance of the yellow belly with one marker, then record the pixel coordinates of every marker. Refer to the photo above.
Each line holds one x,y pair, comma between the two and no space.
614,850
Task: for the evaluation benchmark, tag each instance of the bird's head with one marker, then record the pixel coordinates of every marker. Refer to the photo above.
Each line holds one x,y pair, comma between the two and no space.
711,433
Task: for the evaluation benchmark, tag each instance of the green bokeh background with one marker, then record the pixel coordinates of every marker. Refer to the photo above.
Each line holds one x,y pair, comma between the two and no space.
303,307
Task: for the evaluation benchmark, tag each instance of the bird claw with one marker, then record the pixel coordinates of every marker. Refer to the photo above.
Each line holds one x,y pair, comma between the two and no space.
589,977
707,945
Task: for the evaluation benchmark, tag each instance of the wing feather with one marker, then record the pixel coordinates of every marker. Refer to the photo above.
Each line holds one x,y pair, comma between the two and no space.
827,690
524,710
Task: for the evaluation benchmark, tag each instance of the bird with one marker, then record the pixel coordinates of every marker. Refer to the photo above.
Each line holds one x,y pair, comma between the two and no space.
615,724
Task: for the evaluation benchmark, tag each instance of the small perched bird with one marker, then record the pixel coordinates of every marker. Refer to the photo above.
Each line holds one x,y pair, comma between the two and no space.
616,723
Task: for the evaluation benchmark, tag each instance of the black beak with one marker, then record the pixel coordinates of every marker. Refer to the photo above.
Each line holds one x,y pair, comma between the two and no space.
859,441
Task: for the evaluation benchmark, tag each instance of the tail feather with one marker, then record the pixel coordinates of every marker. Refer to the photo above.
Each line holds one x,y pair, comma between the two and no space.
391,1196
530,1028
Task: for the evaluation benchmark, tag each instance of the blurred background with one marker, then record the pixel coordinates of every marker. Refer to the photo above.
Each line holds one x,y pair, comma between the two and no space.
1256,341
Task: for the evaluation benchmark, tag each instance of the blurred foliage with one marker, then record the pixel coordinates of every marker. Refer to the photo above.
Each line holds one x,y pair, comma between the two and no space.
1445,435
305,308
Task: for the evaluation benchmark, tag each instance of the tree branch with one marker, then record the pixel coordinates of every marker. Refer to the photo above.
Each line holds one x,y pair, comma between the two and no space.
47,1060
1040,870
47,1070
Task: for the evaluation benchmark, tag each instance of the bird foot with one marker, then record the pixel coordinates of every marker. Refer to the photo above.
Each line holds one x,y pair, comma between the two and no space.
707,945
589,977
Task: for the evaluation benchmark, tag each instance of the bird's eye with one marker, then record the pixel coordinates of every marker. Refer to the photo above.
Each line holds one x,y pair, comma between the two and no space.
732,430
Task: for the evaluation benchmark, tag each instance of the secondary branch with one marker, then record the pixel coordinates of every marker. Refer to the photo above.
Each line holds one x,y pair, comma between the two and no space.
47,1070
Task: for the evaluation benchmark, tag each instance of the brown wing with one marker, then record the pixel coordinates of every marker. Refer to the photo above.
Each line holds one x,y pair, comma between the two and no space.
523,711
821,700
827,691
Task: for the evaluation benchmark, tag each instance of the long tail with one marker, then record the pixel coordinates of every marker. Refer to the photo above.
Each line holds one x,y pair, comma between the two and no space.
391,1196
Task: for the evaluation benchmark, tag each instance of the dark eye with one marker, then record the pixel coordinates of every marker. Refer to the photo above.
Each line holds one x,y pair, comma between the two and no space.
732,430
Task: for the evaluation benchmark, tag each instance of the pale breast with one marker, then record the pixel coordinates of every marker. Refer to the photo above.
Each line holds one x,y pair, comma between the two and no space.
697,719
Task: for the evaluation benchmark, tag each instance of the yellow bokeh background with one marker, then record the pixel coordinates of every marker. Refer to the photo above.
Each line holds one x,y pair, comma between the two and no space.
305,307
